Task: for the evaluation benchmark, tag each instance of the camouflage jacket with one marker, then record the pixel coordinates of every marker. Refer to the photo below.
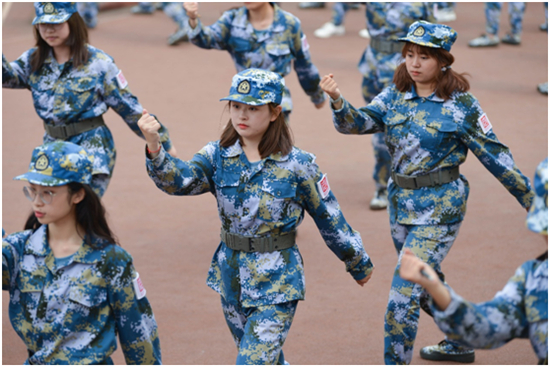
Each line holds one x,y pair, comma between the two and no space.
519,310
273,49
263,201
425,134
63,94
72,314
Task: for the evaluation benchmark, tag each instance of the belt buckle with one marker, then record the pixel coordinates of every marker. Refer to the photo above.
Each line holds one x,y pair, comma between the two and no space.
251,247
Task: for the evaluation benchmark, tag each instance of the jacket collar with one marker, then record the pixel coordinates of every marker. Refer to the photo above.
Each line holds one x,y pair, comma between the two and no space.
412,95
236,150
241,20
38,246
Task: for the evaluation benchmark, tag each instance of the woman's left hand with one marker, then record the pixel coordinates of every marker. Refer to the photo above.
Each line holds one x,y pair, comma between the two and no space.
364,281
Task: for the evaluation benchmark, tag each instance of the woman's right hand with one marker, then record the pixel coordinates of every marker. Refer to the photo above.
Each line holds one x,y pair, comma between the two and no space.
330,87
149,126
192,10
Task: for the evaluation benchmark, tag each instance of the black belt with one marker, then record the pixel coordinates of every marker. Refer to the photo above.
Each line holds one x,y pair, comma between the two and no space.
64,132
385,45
439,177
258,244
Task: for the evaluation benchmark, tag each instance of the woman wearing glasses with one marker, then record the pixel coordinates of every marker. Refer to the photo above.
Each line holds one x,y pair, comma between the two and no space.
73,84
72,288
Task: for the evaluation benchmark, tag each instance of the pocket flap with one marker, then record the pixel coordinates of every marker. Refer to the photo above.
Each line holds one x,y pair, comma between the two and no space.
87,295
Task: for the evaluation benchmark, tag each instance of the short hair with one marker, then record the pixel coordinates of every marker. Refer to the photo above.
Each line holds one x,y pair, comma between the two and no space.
277,138
78,41
447,82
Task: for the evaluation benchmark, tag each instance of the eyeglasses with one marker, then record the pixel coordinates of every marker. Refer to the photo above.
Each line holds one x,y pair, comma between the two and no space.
45,196
46,26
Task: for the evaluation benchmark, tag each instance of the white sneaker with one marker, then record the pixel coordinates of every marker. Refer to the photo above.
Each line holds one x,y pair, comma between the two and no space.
364,33
380,200
445,15
329,30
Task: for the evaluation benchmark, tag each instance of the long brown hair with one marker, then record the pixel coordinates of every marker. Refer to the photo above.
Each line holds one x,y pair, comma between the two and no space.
446,82
277,138
90,215
78,40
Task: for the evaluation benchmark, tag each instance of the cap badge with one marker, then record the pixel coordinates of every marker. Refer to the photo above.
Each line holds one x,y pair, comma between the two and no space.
419,32
41,163
48,8
244,87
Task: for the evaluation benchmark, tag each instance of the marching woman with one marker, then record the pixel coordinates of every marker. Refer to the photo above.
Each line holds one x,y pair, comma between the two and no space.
430,121
262,184
261,35
72,85
72,288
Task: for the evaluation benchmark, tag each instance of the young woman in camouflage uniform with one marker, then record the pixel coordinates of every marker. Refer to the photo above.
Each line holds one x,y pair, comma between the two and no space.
72,288
262,184
73,84
431,122
261,35
519,310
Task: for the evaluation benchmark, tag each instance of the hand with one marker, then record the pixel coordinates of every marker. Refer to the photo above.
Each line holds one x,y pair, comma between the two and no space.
364,281
412,267
149,126
330,87
192,10
321,105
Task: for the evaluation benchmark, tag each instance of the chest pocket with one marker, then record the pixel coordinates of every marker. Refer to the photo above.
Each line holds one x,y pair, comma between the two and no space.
31,287
438,134
227,183
277,49
278,199
240,45
80,92
88,295
396,128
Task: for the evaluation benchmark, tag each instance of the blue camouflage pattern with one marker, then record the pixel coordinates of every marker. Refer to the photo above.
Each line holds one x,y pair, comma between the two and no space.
537,219
339,10
261,201
58,163
519,310
256,87
174,10
273,49
259,332
425,134
430,243
88,11
387,21
72,314
431,35
53,12
67,95
516,11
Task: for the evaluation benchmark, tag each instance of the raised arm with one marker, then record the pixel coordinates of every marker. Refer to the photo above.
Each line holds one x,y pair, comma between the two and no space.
214,36
16,74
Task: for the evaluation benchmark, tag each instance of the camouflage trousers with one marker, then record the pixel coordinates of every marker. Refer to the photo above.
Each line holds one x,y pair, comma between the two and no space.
259,332
492,16
431,243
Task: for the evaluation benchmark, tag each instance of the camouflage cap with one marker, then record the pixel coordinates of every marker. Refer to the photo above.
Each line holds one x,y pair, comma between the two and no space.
537,219
256,87
430,35
58,163
53,13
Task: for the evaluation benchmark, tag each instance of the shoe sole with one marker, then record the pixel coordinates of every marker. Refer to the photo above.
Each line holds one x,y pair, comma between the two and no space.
376,208
512,43
436,356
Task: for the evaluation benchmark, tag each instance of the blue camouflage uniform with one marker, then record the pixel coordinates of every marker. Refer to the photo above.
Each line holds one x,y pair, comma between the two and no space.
272,49
426,134
71,314
339,10
520,309
88,11
260,290
492,16
69,310
174,10
63,94
387,21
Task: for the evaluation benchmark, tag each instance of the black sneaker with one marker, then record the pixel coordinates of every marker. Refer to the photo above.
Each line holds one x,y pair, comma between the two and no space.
445,351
